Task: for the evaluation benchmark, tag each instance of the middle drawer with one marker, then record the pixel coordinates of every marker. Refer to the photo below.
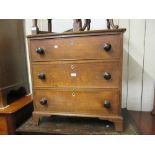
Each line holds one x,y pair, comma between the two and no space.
79,75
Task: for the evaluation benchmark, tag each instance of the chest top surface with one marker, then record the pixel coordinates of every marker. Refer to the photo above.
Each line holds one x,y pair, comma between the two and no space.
78,34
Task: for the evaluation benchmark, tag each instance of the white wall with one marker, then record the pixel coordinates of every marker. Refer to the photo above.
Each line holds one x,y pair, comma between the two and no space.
139,58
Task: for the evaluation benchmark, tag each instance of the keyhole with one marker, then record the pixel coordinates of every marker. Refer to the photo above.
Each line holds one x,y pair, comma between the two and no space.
73,94
72,67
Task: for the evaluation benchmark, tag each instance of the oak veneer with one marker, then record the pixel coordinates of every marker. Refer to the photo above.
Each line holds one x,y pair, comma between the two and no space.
75,48
68,73
77,102
84,74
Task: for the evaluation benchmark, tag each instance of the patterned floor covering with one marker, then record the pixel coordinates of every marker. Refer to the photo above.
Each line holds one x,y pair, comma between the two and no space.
75,126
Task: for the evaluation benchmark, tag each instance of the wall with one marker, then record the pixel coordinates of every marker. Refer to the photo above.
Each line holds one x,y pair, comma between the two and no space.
139,58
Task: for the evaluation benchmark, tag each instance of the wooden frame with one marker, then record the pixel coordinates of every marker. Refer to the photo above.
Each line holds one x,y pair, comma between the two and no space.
77,26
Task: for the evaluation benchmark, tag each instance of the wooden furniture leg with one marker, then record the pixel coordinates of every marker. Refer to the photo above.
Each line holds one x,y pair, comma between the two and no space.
36,118
49,25
77,25
118,124
110,24
34,29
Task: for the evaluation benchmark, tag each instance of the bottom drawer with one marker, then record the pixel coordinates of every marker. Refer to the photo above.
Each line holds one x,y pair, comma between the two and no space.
92,102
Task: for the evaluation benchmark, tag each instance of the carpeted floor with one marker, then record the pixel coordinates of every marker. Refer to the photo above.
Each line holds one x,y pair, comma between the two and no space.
75,126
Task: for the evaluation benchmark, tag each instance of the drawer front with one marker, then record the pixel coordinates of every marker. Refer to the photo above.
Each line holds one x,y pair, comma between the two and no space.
81,75
76,48
77,102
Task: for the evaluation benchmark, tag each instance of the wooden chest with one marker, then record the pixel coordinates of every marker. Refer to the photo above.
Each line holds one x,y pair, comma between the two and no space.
78,74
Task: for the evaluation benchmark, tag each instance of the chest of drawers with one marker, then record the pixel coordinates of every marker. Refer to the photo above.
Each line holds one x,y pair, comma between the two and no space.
77,74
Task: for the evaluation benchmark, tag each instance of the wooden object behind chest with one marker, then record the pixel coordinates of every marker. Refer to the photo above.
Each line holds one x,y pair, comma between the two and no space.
78,74
13,76
13,67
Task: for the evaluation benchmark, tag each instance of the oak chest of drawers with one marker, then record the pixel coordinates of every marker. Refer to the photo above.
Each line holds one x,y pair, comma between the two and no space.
78,74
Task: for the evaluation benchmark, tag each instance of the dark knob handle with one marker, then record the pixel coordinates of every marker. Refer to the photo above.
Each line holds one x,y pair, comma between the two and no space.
107,76
40,50
41,76
107,104
107,47
43,101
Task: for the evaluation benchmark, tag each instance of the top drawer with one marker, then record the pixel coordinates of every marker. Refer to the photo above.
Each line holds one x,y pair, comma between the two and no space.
76,48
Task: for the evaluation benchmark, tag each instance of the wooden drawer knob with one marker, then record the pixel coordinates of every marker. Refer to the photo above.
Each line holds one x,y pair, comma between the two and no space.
41,76
107,104
107,76
43,101
40,50
107,47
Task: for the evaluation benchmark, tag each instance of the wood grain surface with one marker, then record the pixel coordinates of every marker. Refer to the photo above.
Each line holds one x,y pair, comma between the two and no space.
76,48
85,74
78,102
73,67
